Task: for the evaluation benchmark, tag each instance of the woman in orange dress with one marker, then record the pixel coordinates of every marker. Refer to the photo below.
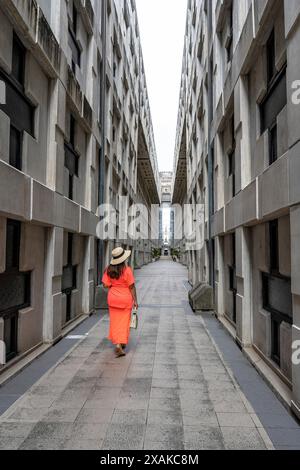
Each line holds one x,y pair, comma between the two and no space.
119,279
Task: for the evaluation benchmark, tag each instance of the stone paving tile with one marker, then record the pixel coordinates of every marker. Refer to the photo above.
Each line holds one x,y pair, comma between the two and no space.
132,384
109,399
169,375
173,444
103,392
164,433
82,444
43,390
143,359
140,372
36,401
67,415
15,430
192,385
203,406
160,392
132,403
99,402
124,437
110,381
187,395
203,438
93,431
173,418
28,415
231,407
48,431
41,444
164,404
203,418
237,438
10,443
81,384
161,358
71,403
95,415
241,420
130,417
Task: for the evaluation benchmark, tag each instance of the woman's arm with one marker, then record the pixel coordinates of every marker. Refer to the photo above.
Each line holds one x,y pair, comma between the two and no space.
134,295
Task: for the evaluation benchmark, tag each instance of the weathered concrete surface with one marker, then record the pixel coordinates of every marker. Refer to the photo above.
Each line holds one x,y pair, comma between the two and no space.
171,391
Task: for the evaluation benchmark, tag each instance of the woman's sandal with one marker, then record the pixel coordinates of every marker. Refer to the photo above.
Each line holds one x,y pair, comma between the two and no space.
119,352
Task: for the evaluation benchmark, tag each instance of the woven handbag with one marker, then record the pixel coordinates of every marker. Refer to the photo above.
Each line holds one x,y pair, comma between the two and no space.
134,319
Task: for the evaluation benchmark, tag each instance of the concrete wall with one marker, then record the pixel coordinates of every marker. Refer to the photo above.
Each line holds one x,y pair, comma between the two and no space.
263,192
38,195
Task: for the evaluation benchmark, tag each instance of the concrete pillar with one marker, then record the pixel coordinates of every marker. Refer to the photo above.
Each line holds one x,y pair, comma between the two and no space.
295,267
57,118
2,344
53,274
242,129
30,322
2,244
88,276
243,273
219,278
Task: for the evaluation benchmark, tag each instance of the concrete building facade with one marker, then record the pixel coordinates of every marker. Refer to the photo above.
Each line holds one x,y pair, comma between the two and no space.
237,153
166,233
75,132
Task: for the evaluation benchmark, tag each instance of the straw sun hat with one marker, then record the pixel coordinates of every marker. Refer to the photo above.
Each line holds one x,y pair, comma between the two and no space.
119,255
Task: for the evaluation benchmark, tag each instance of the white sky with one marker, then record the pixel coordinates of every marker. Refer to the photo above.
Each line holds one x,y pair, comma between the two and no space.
162,28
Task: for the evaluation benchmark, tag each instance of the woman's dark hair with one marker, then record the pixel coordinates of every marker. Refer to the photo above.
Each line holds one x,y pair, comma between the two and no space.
115,272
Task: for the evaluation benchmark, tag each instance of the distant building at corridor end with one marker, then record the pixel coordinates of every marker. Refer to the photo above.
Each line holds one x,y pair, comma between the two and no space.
166,181
238,152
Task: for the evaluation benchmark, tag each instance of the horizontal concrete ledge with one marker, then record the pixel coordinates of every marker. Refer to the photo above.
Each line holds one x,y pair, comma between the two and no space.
229,327
281,390
276,384
295,409
28,200
20,363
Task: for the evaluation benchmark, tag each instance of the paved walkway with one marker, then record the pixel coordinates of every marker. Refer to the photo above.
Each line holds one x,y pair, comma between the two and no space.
173,390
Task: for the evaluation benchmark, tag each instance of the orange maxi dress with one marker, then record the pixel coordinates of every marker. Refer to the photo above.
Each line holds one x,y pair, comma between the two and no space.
120,303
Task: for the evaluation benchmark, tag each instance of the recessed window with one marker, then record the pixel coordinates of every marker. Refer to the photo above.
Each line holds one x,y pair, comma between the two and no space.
73,43
229,43
274,247
18,62
15,148
17,107
231,157
69,278
213,179
275,99
15,289
276,293
277,299
232,277
71,157
126,14
273,153
271,58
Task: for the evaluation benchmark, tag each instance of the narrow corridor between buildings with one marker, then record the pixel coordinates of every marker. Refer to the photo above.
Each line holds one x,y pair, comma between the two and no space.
184,384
